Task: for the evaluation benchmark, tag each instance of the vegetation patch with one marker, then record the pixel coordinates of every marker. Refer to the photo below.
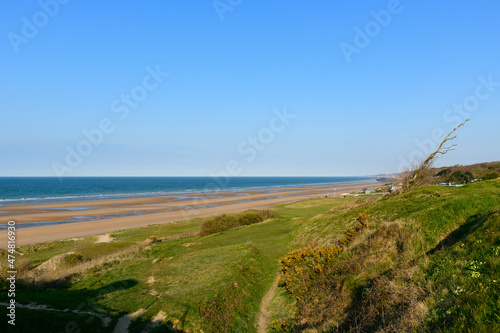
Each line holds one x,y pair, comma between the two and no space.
426,263
72,259
425,260
224,222
228,309
466,278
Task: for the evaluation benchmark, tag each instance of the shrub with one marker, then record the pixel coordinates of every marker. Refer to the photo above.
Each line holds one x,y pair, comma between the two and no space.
151,240
311,276
443,172
302,266
220,223
491,175
468,177
352,232
72,259
267,214
282,326
456,177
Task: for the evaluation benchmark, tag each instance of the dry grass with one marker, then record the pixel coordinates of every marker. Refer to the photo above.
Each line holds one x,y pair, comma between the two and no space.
184,235
390,299
369,287
392,303
357,204
55,272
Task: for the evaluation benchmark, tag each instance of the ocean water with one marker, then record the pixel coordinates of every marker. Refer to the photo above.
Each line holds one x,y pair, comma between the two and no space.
15,190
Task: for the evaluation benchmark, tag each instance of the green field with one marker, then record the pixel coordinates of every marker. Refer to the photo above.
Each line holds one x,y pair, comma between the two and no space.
429,260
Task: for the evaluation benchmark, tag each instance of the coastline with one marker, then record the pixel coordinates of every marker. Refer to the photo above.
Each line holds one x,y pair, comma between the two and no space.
104,188
70,219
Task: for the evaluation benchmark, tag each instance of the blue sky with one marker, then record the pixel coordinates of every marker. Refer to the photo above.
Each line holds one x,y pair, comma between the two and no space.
363,84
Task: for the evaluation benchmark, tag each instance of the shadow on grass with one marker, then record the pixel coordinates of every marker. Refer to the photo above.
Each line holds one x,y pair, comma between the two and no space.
356,320
141,324
473,222
63,310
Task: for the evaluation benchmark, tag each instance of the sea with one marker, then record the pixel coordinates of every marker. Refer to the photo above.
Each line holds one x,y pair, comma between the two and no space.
19,190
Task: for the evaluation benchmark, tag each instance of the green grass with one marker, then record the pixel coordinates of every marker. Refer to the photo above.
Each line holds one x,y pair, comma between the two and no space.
53,322
386,279
429,261
467,278
228,271
224,222
86,246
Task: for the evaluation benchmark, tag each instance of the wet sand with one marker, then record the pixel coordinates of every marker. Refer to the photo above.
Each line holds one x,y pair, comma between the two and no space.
64,220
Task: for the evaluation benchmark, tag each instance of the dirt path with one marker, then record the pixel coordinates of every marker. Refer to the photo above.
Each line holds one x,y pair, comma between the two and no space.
121,326
263,317
33,306
124,322
106,238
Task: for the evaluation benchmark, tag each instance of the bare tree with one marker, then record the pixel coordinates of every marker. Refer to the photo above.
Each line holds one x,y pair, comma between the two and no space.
417,173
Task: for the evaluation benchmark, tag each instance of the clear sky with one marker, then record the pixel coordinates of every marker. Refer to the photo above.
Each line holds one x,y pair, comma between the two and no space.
254,88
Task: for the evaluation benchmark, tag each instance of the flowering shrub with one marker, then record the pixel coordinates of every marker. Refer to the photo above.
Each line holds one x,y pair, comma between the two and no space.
352,232
301,267
281,325
220,223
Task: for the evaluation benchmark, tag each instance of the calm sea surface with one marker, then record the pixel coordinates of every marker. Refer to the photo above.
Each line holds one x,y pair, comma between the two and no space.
15,190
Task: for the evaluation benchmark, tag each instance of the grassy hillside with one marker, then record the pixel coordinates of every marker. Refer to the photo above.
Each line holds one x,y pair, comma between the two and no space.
429,260
477,171
214,282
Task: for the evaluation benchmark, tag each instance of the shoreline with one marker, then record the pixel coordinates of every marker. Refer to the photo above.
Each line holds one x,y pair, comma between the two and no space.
180,193
72,219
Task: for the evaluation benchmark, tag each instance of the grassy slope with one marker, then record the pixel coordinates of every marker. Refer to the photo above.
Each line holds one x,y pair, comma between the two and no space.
215,282
415,267
478,170
429,262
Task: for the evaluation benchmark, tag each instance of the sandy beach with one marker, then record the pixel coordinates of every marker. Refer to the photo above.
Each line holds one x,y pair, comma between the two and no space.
64,220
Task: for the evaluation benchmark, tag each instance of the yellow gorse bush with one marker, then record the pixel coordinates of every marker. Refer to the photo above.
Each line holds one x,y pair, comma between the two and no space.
302,266
305,264
351,233
281,325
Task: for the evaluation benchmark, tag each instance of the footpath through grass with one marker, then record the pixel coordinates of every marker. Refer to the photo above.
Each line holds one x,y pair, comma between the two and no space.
429,260
214,283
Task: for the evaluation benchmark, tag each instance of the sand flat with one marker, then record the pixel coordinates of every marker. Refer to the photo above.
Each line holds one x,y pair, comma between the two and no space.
148,210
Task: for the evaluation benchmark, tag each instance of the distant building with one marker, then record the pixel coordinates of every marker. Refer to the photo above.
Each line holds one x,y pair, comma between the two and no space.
450,184
368,191
396,187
